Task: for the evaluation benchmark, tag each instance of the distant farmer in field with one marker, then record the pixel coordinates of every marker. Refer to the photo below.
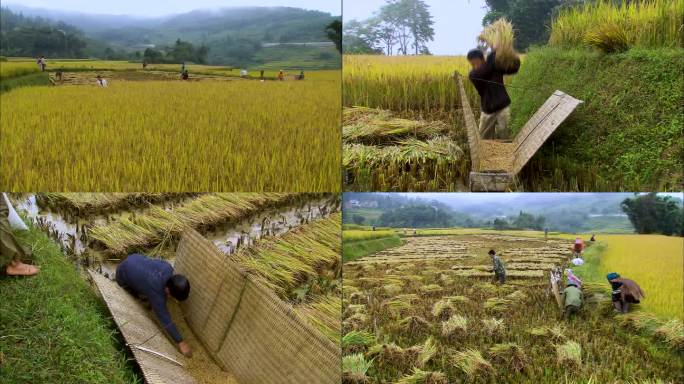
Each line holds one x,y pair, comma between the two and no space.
261,74
498,267
11,252
102,82
42,63
154,280
593,238
185,75
572,278
625,292
494,100
578,247
546,233
572,299
144,64
301,75
183,67
281,75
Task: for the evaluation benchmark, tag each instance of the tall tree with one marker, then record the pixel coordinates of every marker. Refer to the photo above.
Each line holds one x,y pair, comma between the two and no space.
360,38
530,18
334,32
651,213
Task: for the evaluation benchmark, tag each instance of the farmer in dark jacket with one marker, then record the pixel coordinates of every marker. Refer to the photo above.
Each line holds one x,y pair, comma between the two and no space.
494,100
153,280
498,267
625,292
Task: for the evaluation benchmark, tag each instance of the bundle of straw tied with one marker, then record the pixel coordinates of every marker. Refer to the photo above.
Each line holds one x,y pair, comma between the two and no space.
498,36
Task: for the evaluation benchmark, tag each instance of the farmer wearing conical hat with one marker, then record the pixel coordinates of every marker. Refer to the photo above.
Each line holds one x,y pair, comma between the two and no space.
625,292
12,254
572,299
494,100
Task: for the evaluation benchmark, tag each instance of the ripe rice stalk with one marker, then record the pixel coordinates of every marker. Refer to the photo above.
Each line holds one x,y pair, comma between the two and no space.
381,128
285,262
556,332
569,354
354,369
498,36
323,312
496,304
431,289
455,323
493,326
608,38
641,321
388,354
419,376
672,332
457,299
427,352
442,309
146,229
357,339
392,289
471,362
413,325
510,355
355,322
517,296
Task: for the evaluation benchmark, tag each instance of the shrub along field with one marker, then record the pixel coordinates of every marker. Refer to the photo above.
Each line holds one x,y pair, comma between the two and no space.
172,136
426,312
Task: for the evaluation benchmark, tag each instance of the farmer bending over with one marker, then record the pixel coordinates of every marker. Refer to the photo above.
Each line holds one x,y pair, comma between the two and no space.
572,299
153,280
625,292
494,100
11,252
498,267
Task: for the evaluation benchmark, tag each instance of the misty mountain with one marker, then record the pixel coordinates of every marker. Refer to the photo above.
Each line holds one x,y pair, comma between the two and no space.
238,36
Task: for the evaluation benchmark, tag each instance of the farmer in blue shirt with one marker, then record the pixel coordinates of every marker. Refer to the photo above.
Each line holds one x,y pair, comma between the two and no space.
154,280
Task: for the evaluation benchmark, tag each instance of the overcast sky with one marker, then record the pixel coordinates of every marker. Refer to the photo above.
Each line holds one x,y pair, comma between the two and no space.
457,22
165,7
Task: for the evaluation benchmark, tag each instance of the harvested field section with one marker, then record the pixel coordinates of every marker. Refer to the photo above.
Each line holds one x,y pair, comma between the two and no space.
429,306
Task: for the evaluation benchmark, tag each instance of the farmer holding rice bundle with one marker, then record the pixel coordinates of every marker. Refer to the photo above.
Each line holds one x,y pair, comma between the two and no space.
625,292
154,280
11,252
487,77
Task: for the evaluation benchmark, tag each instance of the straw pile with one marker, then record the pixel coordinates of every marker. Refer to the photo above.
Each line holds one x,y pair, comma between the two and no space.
89,203
156,224
499,37
371,126
496,156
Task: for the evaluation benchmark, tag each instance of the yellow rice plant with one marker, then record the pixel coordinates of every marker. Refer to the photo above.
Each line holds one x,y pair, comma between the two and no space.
608,38
354,369
455,323
569,354
172,137
358,235
471,362
655,263
648,23
419,376
422,84
9,69
323,312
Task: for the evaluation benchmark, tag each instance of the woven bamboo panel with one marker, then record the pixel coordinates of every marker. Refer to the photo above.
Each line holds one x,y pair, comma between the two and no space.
259,337
139,330
471,127
544,122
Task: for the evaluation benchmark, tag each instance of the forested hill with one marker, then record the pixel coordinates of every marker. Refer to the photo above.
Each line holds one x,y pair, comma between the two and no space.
239,36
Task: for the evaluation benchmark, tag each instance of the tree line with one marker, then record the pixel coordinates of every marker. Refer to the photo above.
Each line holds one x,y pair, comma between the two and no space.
400,27
653,214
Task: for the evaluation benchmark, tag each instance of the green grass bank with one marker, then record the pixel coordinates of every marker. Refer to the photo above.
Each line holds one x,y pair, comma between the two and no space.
626,136
357,249
54,328
33,79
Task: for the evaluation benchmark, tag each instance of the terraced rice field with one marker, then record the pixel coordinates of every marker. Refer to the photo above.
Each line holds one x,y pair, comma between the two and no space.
428,312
